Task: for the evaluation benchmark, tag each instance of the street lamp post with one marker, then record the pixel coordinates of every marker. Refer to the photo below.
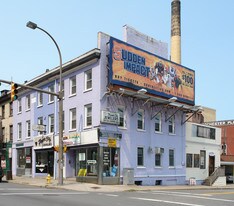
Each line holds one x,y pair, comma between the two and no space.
32,25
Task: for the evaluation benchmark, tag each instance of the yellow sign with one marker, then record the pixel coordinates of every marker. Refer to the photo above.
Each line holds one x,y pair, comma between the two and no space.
82,172
112,142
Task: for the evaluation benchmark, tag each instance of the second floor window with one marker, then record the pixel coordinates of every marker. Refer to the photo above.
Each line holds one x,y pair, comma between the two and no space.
140,156
51,123
28,102
88,115
19,131
171,158
88,80
51,97
40,122
11,132
72,86
121,117
11,109
73,118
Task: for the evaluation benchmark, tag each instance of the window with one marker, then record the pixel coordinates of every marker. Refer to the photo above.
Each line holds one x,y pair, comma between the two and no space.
196,161
140,156
140,120
189,160
158,123
202,159
171,127
28,128
3,111
19,106
11,109
88,115
158,159
171,158
88,80
3,133
121,117
19,131
73,85
39,99
205,132
11,132
51,97
28,102
73,118
51,123
40,122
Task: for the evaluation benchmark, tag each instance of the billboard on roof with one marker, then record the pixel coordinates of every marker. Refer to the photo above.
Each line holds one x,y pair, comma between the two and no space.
135,68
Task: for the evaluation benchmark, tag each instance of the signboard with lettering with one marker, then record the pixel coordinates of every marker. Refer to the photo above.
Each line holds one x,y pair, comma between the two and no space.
110,117
112,142
43,141
220,123
135,68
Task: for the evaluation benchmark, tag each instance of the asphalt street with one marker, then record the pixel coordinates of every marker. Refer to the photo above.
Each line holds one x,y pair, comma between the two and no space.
24,195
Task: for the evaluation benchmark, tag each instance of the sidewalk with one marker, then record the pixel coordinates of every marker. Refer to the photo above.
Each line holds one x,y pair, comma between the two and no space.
71,184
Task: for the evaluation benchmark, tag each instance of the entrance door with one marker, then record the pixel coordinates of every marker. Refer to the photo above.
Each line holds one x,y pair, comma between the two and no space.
211,164
51,163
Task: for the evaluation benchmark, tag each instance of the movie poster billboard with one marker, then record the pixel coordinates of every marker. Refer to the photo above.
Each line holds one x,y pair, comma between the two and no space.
136,69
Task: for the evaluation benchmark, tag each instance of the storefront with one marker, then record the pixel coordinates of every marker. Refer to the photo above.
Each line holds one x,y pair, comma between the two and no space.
24,161
44,155
96,156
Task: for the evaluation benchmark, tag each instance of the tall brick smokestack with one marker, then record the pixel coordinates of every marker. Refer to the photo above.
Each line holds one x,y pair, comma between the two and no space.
175,32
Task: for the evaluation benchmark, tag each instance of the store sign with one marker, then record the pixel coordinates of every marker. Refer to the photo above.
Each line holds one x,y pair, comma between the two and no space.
39,127
72,138
43,141
110,117
220,123
136,69
112,142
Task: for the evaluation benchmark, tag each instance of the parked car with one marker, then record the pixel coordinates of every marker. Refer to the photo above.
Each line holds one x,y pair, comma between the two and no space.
229,178
1,174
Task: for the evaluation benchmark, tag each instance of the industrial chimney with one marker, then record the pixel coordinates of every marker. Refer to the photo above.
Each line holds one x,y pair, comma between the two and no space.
175,32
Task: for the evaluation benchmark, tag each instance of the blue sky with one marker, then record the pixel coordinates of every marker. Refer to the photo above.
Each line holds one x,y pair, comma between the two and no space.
207,38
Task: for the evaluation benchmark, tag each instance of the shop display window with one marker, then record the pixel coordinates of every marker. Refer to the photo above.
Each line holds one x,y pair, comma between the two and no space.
110,162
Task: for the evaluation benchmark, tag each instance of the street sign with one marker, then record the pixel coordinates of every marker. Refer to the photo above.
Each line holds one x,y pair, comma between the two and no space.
39,127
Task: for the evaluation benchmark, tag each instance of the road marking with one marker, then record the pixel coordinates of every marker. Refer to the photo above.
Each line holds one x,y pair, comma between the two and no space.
165,201
111,195
195,196
180,193
219,193
44,193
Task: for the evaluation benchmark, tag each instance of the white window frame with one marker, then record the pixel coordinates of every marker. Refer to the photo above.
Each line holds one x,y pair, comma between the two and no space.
51,123
51,88
88,115
140,165
122,116
39,99
19,105
158,120
28,102
72,84
169,158
141,118
160,157
88,80
72,125
40,122
28,129
171,125
19,129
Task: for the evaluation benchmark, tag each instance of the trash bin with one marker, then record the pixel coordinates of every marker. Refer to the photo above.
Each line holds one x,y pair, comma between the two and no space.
128,176
8,175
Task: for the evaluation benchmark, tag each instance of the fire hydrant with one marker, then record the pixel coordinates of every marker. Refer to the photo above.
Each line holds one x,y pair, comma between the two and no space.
48,179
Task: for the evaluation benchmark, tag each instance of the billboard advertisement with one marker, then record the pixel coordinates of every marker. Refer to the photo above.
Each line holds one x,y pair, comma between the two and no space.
136,69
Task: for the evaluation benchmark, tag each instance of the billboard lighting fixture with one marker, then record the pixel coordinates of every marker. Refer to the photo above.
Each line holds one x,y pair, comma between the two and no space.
142,91
172,99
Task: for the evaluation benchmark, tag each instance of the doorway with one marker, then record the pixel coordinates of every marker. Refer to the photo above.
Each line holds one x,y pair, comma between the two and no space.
211,164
